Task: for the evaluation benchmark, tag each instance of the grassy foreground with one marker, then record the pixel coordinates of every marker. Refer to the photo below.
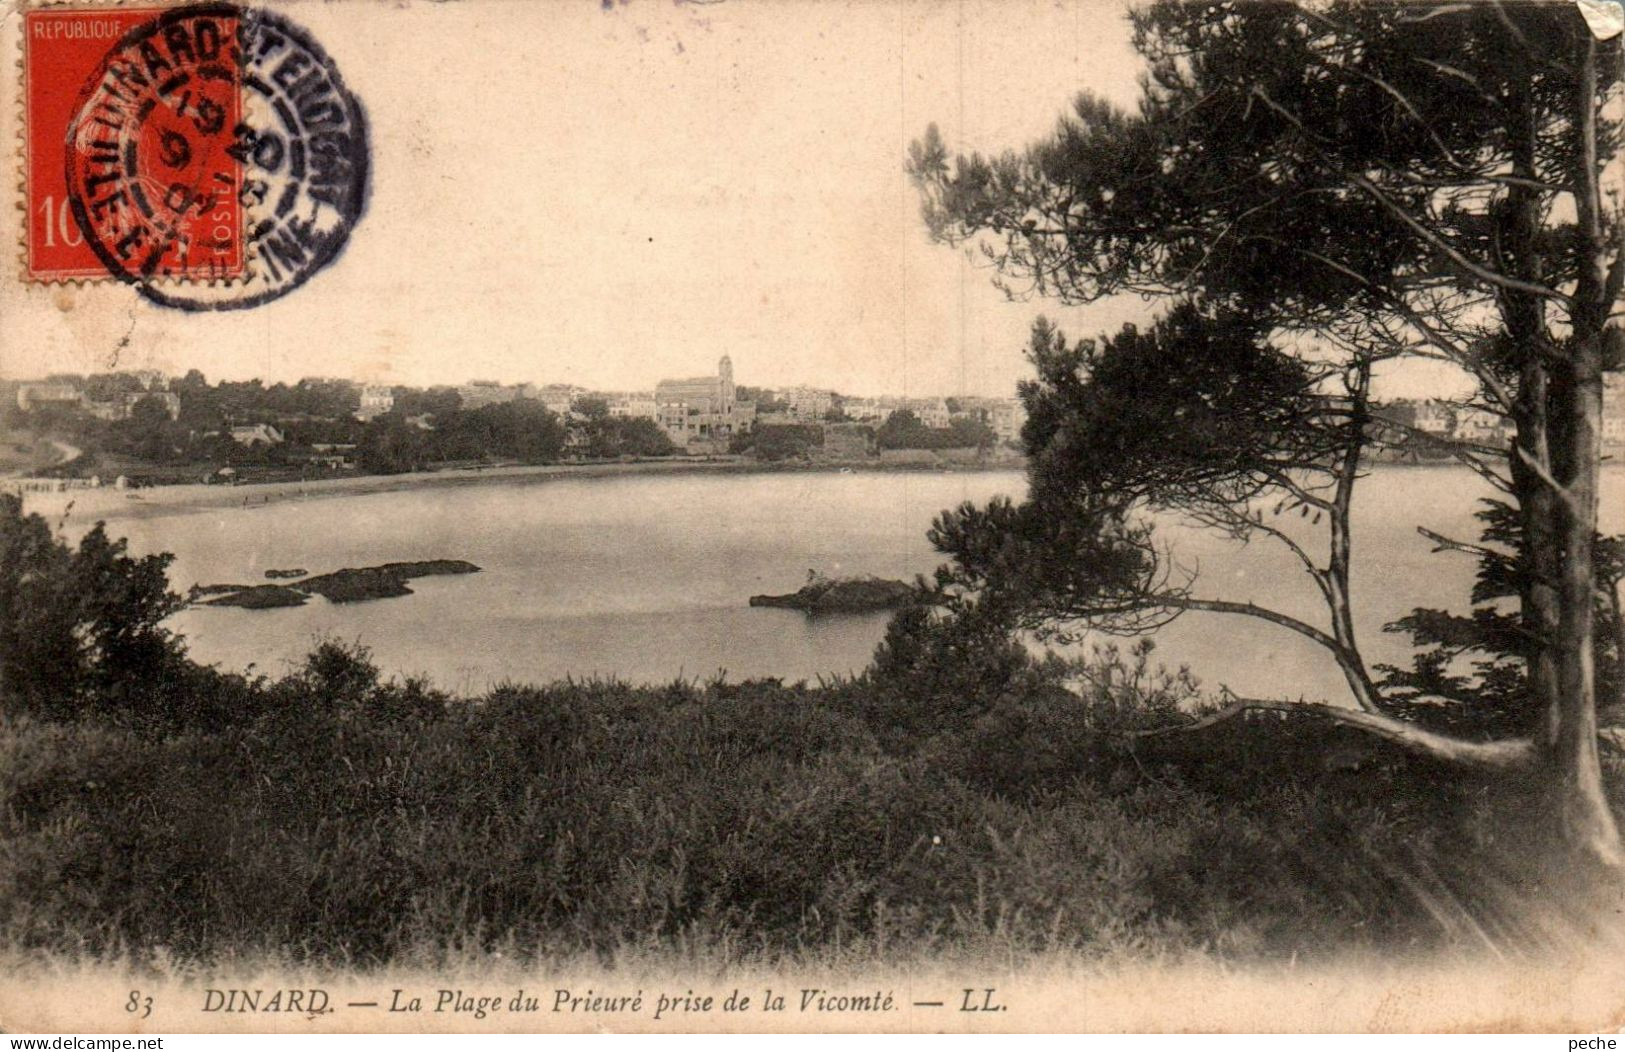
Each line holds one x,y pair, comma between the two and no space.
333,819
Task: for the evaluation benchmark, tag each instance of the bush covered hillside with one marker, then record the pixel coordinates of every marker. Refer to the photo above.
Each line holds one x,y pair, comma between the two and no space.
961,797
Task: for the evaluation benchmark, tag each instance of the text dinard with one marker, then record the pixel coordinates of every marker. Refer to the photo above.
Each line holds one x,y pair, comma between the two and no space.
663,1004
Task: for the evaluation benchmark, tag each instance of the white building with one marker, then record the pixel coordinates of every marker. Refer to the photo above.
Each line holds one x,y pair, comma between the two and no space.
864,409
375,402
1006,417
635,408
32,395
1482,426
122,407
808,403
555,398
933,413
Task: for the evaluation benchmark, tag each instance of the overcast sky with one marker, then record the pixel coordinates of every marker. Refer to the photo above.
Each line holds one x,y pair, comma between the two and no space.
606,196
563,192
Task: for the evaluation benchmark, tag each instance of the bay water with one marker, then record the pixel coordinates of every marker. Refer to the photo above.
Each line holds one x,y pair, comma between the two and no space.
647,577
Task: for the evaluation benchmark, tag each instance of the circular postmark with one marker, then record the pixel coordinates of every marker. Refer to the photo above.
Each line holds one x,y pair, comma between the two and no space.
216,161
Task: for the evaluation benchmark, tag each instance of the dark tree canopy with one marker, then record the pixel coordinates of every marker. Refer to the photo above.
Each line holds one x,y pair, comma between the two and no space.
1194,410
1406,179
78,625
1197,415
1304,161
1472,669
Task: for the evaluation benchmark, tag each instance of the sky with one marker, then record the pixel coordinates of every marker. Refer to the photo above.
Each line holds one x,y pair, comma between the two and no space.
609,195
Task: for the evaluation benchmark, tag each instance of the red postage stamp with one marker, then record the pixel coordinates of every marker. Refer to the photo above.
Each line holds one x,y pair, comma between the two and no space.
129,160
208,154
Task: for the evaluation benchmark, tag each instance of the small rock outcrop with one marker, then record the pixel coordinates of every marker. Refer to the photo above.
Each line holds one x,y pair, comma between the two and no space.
349,585
847,595
378,582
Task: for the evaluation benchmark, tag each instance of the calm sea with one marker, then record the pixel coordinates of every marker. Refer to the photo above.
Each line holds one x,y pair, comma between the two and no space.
646,577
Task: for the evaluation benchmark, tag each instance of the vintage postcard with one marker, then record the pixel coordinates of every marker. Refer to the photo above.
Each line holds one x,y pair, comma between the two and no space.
827,515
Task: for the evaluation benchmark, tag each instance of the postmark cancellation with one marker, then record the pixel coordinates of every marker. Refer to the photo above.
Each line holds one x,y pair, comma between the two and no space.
208,155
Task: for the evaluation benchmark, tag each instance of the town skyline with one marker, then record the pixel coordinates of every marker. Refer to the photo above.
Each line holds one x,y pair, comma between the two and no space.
1416,381
708,393
143,427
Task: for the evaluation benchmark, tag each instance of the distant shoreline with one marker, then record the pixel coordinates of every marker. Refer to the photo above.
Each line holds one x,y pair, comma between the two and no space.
157,501
111,504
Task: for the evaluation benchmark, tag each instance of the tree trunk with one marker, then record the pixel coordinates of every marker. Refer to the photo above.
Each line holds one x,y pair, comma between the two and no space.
1576,440
1365,695
1507,755
1541,558
1540,563
1335,580
1571,733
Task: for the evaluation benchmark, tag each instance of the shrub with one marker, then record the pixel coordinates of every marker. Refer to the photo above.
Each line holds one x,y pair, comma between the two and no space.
936,672
80,628
779,441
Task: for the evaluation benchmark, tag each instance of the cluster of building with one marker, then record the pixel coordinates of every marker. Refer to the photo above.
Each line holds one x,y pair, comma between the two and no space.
476,394
148,385
700,414
703,413
1455,422
1004,416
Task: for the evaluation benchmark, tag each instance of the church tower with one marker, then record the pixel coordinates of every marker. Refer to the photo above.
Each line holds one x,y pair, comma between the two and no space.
725,384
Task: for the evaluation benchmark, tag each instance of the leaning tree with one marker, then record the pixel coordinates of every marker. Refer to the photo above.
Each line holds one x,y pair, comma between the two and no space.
1418,179
1199,416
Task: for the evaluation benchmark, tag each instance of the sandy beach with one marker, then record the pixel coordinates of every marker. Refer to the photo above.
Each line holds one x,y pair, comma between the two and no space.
107,503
